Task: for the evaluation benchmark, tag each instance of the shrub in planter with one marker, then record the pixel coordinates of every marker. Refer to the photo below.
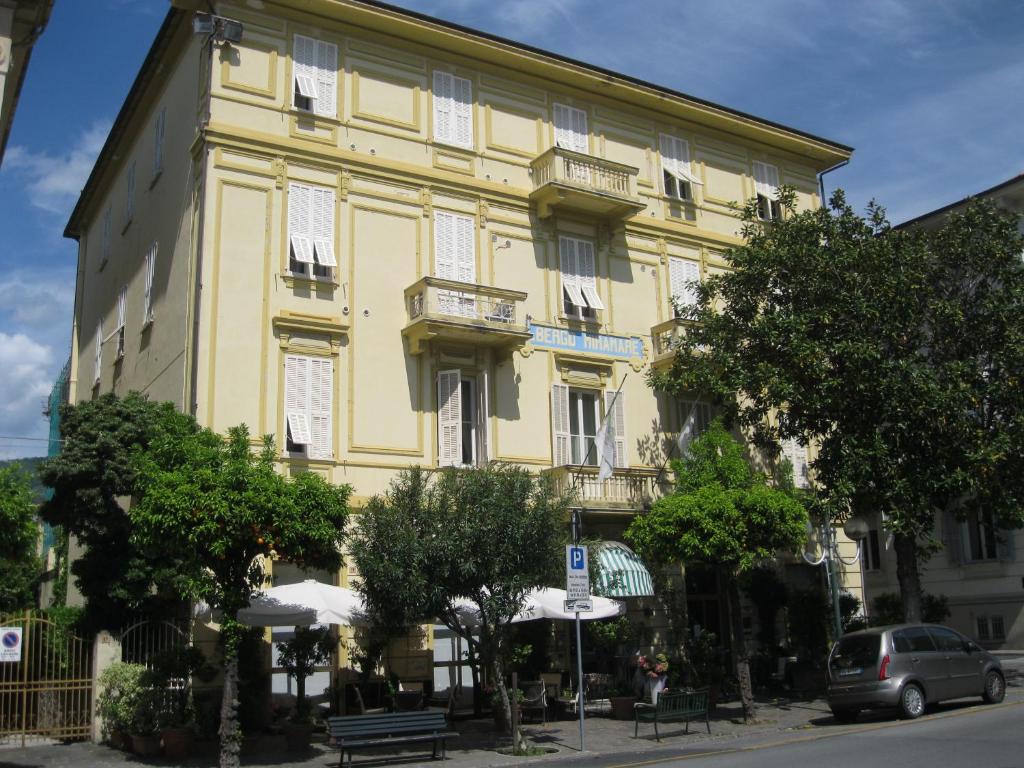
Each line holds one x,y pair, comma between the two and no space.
621,698
300,655
120,688
146,721
172,675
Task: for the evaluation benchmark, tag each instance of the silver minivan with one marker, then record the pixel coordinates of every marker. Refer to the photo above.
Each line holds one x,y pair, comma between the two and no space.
908,666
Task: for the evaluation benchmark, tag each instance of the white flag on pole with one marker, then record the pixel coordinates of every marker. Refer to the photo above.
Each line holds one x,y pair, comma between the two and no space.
686,433
606,443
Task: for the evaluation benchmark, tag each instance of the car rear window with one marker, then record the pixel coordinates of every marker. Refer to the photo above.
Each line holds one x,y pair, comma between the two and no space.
857,651
912,640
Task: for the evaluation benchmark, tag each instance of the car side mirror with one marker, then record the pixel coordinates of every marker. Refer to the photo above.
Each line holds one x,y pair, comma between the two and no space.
971,647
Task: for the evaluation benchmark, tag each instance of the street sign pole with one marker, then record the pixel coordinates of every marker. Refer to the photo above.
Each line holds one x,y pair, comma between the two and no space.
577,587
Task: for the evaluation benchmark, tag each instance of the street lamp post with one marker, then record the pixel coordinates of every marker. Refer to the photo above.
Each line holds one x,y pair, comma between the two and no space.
855,529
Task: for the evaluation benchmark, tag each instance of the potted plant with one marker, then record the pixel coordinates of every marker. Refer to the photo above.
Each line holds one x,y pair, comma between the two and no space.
300,655
706,660
622,698
172,673
120,686
146,721
655,672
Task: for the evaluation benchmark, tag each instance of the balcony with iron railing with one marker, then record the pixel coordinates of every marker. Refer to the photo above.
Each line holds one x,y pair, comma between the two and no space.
567,180
664,337
630,490
448,310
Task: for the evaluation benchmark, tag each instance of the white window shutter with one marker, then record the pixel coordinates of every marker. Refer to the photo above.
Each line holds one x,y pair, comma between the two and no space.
571,128
465,249
300,224
675,158
587,273
683,272
323,226
296,398
567,251
443,107
321,388
766,180
147,301
444,246
796,453
158,140
97,359
616,415
326,79
122,297
462,112
449,418
304,69
561,441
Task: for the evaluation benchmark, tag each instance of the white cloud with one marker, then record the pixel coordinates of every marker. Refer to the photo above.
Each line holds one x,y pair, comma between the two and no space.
26,373
29,301
53,181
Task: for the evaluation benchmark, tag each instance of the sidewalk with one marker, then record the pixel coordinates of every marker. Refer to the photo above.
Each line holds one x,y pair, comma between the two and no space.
477,745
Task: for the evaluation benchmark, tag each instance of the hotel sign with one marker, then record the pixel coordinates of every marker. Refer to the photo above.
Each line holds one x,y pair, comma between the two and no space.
569,340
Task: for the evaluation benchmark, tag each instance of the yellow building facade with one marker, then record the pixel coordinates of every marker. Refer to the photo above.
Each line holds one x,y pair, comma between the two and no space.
388,240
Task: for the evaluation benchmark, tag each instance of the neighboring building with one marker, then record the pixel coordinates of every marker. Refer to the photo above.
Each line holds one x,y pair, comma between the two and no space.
59,394
980,569
390,240
21,24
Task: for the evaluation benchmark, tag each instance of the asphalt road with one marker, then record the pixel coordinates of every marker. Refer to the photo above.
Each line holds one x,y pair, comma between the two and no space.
957,736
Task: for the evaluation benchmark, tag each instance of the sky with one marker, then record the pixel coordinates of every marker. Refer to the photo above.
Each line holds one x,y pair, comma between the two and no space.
929,93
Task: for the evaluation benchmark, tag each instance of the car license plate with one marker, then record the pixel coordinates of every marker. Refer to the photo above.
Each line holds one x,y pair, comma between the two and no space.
851,671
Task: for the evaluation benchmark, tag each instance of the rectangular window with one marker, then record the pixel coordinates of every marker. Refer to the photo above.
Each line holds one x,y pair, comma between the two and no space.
702,416
315,76
983,630
129,209
158,141
677,173
998,628
105,237
571,129
311,230
766,185
459,420
870,552
122,298
453,109
455,259
584,419
97,359
682,274
147,298
978,536
796,452
579,282
308,401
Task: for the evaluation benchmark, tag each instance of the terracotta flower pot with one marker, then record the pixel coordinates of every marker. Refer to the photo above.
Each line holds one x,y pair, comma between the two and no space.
178,742
146,745
622,707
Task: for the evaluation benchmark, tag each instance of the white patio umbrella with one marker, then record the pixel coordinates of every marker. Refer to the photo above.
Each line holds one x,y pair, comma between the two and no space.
546,603
307,602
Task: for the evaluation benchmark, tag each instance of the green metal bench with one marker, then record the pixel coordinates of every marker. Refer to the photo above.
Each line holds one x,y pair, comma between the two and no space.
673,706
386,730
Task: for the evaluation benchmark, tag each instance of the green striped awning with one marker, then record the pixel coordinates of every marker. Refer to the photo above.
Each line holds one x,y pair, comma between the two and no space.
623,573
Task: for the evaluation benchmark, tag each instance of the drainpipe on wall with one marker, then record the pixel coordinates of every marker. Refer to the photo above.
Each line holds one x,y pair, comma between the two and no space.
821,179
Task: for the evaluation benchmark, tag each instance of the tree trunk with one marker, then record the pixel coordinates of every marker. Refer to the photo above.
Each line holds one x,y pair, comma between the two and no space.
230,734
300,695
739,649
908,576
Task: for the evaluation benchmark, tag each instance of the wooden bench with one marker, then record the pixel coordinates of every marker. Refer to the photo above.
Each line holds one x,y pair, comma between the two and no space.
394,728
673,706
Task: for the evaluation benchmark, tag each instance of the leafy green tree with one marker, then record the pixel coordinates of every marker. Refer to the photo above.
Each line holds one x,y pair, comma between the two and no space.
19,535
724,514
299,656
488,535
92,479
898,352
220,509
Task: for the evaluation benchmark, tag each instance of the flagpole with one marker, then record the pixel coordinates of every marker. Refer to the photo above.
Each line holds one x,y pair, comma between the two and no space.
593,446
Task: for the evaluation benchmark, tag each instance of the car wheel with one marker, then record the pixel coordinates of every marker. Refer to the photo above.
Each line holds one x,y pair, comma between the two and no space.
995,688
912,701
845,715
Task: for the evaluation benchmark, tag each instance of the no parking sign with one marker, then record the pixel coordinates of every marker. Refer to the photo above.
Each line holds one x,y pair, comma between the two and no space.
10,643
